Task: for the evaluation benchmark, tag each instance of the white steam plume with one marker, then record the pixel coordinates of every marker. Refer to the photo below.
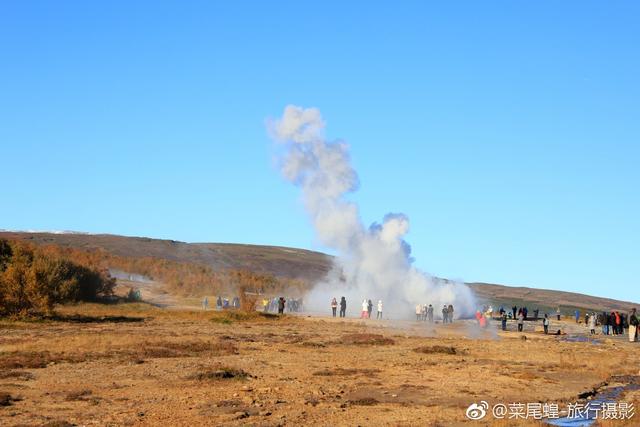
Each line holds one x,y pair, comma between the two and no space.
372,263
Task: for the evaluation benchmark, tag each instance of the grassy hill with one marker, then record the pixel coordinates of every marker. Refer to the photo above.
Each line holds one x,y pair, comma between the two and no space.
545,299
278,261
294,263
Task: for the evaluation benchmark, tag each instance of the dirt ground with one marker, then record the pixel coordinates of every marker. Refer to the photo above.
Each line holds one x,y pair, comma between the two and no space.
134,364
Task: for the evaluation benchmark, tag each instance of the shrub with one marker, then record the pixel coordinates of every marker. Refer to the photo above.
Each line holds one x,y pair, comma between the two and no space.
224,373
133,295
33,280
248,300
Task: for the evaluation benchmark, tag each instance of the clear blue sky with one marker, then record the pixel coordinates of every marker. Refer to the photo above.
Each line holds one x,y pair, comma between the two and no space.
509,132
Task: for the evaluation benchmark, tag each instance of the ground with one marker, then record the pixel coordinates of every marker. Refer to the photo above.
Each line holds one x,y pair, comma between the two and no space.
136,364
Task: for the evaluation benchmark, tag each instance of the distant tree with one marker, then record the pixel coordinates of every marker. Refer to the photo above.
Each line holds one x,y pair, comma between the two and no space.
5,254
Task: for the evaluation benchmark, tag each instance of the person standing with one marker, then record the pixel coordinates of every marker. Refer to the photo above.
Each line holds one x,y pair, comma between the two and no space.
281,304
343,307
604,320
545,323
334,306
445,314
514,309
577,314
379,314
430,313
586,319
520,322
418,312
558,313
612,324
363,313
450,313
369,309
592,324
633,325
503,318
219,303
205,303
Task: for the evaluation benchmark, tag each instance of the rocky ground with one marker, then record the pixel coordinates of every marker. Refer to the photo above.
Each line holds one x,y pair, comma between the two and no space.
134,364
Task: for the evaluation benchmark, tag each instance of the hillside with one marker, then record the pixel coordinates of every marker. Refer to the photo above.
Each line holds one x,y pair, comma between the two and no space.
546,300
278,261
294,263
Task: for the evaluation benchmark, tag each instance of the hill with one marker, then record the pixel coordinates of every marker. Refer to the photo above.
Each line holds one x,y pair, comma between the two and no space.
277,261
291,263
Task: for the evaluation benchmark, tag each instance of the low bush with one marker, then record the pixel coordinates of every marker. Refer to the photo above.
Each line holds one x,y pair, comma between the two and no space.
6,398
224,373
33,280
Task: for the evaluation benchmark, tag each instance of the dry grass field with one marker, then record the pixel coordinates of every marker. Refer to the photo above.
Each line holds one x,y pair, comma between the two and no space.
134,364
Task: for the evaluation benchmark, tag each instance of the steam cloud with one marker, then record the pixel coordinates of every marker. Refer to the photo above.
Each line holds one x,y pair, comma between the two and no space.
373,263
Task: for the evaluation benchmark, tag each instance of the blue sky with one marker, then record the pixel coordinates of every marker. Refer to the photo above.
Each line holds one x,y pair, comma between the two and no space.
507,131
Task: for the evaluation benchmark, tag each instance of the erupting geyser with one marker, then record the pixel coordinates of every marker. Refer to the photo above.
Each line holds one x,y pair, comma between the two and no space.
372,263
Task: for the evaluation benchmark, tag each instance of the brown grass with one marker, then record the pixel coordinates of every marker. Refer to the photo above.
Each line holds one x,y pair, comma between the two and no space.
223,373
364,401
18,375
78,395
196,369
343,372
437,349
58,423
134,350
229,317
164,349
366,339
36,359
313,344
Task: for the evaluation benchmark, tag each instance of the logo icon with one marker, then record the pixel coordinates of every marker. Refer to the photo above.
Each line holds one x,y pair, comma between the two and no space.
477,411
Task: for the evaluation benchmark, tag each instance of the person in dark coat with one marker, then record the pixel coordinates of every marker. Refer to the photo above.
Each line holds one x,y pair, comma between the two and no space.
369,308
514,309
281,304
605,323
612,323
343,307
